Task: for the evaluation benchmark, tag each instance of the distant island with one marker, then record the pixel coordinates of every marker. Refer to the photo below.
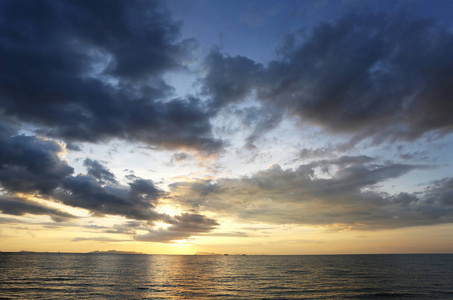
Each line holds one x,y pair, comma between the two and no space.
206,253
211,253
115,252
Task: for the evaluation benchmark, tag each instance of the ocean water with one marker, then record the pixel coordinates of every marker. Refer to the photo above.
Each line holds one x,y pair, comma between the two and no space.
122,276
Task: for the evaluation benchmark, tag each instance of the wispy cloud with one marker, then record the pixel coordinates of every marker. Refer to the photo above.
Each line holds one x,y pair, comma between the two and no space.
338,192
98,239
182,227
13,205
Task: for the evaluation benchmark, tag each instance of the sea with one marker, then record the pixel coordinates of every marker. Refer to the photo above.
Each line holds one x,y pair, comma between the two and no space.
127,276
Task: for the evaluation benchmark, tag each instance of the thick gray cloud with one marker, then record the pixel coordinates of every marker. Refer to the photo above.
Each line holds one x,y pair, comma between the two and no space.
136,201
441,192
98,171
386,76
87,71
182,227
18,206
339,193
91,71
368,73
229,78
30,164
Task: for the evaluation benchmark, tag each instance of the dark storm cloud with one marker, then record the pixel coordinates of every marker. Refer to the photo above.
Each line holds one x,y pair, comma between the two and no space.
12,205
93,70
339,193
30,164
386,76
182,227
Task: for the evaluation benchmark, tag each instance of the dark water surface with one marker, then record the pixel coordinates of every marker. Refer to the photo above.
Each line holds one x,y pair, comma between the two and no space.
121,276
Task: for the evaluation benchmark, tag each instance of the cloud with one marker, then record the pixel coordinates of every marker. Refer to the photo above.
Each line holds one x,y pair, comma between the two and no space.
441,192
97,239
368,73
17,206
228,234
180,156
98,171
128,227
229,78
136,201
31,164
381,75
306,153
182,227
8,220
338,193
84,71
261,120
90,72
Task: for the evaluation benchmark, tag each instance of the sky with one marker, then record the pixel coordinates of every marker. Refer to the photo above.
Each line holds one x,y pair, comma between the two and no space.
239,127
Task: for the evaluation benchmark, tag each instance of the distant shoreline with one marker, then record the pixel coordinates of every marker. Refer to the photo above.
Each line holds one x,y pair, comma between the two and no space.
98,252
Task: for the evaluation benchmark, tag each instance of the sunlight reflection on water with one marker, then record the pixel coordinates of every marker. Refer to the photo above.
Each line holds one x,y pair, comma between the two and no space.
116,276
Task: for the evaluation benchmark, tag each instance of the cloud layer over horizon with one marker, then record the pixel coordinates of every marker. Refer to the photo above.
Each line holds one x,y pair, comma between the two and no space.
80,73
